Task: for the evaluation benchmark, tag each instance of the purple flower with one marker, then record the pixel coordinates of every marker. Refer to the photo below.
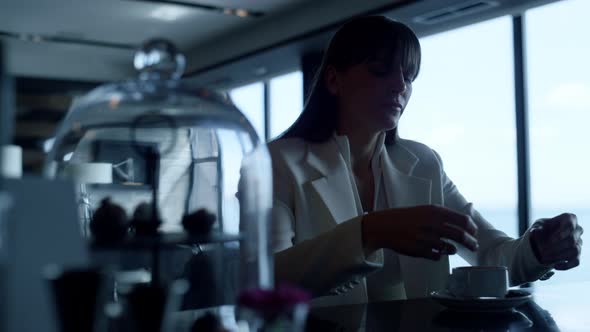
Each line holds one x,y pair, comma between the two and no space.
271,303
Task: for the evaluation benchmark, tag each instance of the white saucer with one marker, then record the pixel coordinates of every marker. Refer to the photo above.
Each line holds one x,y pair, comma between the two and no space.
513,299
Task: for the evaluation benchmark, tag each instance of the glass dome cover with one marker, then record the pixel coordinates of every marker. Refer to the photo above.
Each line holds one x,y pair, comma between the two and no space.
190,148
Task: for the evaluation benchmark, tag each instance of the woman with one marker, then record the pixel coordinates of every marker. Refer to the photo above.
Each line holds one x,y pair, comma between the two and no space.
362,215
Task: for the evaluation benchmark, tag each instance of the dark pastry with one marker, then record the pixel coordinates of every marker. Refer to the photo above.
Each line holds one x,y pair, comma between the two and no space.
199,222
109,223
208,323
144,222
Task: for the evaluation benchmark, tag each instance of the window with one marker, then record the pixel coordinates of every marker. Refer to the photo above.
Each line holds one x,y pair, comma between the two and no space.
286,101
250,100
559,113
463,107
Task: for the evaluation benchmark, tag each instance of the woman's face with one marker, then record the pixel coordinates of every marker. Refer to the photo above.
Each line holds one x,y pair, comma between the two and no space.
371,95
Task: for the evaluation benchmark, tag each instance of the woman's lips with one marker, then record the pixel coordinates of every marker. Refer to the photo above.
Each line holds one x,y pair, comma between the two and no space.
392,105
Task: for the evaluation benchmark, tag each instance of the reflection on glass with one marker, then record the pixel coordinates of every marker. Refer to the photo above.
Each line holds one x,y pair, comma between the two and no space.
463,107
559,113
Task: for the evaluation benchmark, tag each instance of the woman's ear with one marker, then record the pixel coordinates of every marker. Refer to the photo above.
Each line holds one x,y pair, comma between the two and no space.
331,80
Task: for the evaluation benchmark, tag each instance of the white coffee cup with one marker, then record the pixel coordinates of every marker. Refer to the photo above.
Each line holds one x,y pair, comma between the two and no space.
478,281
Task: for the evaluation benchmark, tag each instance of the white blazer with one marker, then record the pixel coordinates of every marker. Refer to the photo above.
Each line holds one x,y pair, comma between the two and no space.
316,229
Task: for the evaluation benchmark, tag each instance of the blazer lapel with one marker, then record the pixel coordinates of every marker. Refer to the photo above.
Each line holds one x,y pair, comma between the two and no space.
402,188
333,185
406,190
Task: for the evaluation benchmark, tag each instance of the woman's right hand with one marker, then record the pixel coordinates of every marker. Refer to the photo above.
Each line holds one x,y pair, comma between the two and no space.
419,231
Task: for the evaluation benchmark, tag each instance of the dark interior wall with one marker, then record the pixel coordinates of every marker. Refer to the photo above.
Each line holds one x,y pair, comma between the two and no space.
40,105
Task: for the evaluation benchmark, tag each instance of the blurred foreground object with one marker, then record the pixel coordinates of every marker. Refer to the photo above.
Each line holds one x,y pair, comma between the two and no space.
172,152
42,228
282,309
11,162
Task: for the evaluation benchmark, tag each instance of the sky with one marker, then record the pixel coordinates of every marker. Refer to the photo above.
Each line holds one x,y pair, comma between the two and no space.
465,97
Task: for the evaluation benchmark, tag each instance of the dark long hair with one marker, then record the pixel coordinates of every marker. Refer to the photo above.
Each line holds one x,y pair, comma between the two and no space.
358,40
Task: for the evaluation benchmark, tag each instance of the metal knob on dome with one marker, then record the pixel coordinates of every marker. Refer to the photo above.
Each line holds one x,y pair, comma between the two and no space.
159,59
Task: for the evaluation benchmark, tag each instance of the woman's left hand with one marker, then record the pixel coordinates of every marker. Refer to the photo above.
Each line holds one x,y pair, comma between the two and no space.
557,241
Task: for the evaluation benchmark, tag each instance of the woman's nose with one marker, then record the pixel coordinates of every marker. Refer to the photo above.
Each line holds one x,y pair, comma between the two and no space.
398,81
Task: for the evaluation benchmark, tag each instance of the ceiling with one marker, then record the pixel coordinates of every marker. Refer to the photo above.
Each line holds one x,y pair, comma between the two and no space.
95,39
269,59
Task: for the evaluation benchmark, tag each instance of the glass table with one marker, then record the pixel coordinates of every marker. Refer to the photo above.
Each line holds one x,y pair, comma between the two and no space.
563,307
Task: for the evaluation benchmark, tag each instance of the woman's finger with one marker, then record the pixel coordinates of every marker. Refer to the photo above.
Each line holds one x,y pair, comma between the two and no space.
567,265
557,247
433,241
565,230
580,230
425,246
445,248
561,234
460,221
564,255
546,225
565,217
432,255
458,235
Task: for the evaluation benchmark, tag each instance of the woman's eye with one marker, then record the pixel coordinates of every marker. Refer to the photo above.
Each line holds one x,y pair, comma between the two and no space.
379,70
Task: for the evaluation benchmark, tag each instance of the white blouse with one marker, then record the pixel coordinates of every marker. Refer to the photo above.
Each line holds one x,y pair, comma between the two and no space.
390,273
